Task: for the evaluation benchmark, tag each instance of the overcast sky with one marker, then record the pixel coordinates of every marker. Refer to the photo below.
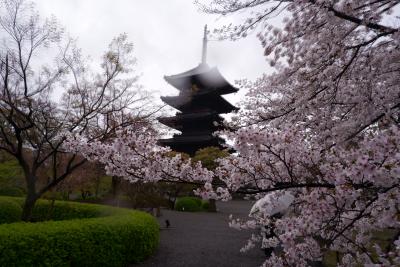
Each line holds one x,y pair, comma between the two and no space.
167,36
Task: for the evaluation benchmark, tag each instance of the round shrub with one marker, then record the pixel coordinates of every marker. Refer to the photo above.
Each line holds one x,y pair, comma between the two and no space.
10,211
198,200
188,204
205,205
110,237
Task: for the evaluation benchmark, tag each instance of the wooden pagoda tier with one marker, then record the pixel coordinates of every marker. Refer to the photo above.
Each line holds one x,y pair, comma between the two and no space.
199,103
209,79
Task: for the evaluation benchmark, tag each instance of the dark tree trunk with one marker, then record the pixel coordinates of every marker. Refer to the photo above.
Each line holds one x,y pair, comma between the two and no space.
212,205
172,197
27,209
171,202
96,192
31,197
115,184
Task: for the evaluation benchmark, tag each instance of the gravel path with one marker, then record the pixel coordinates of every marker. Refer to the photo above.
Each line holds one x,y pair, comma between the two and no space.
204,239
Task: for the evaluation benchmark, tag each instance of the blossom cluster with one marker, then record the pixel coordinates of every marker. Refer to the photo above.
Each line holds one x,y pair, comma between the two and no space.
136,156
325,126
343,194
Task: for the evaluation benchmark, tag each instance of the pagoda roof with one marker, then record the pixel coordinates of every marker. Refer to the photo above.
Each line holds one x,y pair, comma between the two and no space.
184,102
187,139
202,80
181,117
178,122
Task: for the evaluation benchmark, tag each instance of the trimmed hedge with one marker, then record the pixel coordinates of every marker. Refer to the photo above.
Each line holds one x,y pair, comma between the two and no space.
63,210
9,211
188,204
205,205
109,237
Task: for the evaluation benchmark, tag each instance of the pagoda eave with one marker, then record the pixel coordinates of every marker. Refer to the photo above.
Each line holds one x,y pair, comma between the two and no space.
175,101
182,103
190,117
208,80
188,139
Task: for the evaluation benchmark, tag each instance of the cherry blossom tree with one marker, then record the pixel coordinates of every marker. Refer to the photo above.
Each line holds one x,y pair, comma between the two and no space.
324,127
38,65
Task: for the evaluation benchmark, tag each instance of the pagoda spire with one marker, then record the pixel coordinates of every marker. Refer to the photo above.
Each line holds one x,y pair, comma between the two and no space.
204,52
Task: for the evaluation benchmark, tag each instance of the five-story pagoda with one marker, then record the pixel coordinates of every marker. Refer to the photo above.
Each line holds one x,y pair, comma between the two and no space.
199,103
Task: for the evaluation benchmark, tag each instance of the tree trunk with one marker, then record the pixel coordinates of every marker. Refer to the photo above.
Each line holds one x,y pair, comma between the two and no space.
171,202
212,205
96,192
30,201
115,183
31,196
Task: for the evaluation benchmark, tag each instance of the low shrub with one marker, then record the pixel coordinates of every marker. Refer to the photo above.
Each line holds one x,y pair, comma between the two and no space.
80,235
45,210
188,204
10,211
11,191
205,205
11,177
198,200
10,169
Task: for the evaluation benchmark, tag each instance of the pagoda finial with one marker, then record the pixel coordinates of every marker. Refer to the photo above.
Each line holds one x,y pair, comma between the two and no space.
204,52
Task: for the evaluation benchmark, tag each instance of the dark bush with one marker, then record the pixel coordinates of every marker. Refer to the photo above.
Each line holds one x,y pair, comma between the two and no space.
110,237
205,205
208,156
11,178
11,191
188,204
143,195
198,200
10,211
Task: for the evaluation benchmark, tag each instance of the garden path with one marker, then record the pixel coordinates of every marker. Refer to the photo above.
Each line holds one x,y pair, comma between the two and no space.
203,239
